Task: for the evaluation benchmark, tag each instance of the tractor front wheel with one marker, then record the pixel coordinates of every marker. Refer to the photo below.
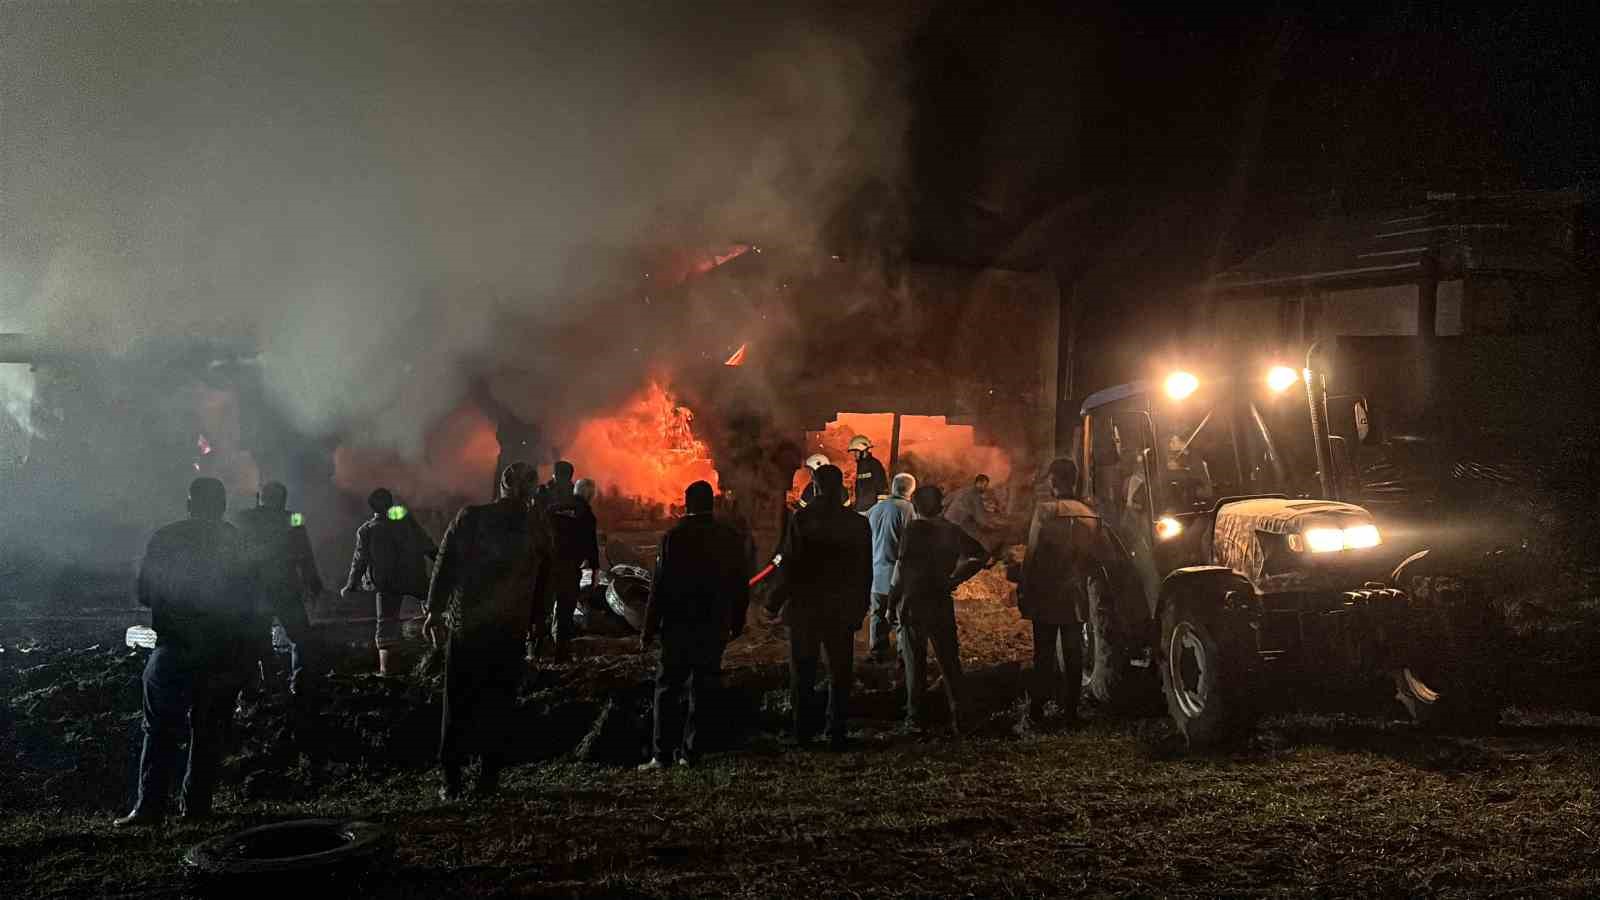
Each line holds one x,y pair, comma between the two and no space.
1203,675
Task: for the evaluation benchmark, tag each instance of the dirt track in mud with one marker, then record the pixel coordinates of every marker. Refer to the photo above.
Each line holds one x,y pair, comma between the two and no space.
1333,803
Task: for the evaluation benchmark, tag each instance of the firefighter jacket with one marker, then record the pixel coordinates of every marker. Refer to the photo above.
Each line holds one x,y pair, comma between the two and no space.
1066,544
935,557
826,574
871,482
278,555
888,520
702,578
391,557
195,579
493,563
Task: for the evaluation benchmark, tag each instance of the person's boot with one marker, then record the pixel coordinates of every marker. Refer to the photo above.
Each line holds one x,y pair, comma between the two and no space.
563,651
450,786
383,663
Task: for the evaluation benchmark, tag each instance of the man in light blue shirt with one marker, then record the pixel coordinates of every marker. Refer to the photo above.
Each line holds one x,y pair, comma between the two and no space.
888,518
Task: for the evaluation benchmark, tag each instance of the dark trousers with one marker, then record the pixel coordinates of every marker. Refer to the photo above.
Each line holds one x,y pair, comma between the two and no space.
878,628
1057,667
691,656
564,580
915,636
481,675
808,640
183,690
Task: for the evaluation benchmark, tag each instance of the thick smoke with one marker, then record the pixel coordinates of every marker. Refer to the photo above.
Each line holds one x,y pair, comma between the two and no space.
376,197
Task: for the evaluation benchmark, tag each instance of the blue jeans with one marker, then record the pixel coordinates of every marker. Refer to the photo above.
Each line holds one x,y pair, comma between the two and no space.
878,627
185,690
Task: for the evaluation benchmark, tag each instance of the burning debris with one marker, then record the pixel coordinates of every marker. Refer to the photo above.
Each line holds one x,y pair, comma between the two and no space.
645,451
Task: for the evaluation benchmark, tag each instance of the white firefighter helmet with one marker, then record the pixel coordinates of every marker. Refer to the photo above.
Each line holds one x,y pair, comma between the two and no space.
815,461
860,443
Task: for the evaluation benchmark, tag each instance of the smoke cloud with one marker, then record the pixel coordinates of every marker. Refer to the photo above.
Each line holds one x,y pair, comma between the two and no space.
379,197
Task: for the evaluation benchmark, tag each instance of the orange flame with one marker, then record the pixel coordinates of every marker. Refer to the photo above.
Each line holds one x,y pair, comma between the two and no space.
737,359
645,450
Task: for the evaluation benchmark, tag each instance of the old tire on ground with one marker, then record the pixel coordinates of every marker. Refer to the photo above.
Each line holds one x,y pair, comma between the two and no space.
1204,674
628,594
1109,675
297,850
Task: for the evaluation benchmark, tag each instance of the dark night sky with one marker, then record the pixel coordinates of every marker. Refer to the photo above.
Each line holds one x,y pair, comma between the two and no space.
1262,118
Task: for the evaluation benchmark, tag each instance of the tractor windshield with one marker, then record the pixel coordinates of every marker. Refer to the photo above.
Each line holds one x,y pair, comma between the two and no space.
1193,458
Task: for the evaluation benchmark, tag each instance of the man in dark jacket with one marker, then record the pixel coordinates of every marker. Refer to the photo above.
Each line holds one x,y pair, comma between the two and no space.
936,555
282,567
822,597
1065,544
392,553
576,534
195,582
697,605
492,564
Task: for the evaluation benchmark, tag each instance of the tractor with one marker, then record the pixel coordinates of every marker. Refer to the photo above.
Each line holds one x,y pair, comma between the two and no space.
1238,569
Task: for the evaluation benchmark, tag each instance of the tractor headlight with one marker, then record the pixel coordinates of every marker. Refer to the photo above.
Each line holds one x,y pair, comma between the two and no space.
1281,378
1329,540
1180,385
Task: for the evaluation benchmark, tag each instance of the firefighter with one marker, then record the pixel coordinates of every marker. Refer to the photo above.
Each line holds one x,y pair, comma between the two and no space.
698,600
1065,544
887,519
492,566
872,482
572,525
821,598
936,555
196,582
283,568
392,553
809,494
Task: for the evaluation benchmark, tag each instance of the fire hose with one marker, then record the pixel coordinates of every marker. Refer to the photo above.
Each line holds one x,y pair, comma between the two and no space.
767,572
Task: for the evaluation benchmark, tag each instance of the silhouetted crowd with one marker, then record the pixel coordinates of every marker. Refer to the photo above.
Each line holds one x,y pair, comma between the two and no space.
506,577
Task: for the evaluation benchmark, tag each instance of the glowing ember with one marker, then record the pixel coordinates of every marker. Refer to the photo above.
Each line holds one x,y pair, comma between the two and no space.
645,450
737,359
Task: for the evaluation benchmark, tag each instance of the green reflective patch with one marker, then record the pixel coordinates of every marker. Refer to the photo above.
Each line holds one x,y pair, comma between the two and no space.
396,513
296,520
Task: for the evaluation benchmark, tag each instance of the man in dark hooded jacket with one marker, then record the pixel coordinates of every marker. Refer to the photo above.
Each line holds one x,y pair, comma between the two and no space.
196,583
826,579
392,553
576,534
1065,545
283,568
697,604
936,555
492,565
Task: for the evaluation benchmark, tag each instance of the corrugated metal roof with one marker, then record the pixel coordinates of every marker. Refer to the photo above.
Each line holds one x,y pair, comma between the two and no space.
1530,231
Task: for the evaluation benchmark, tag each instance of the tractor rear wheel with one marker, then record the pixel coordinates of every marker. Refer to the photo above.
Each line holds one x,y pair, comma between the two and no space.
1203,673
1108,671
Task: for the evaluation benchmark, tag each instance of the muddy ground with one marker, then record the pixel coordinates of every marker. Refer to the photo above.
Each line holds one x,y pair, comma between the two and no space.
1336,797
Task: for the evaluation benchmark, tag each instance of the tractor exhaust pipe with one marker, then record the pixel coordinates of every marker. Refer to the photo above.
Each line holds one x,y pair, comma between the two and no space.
1317,400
